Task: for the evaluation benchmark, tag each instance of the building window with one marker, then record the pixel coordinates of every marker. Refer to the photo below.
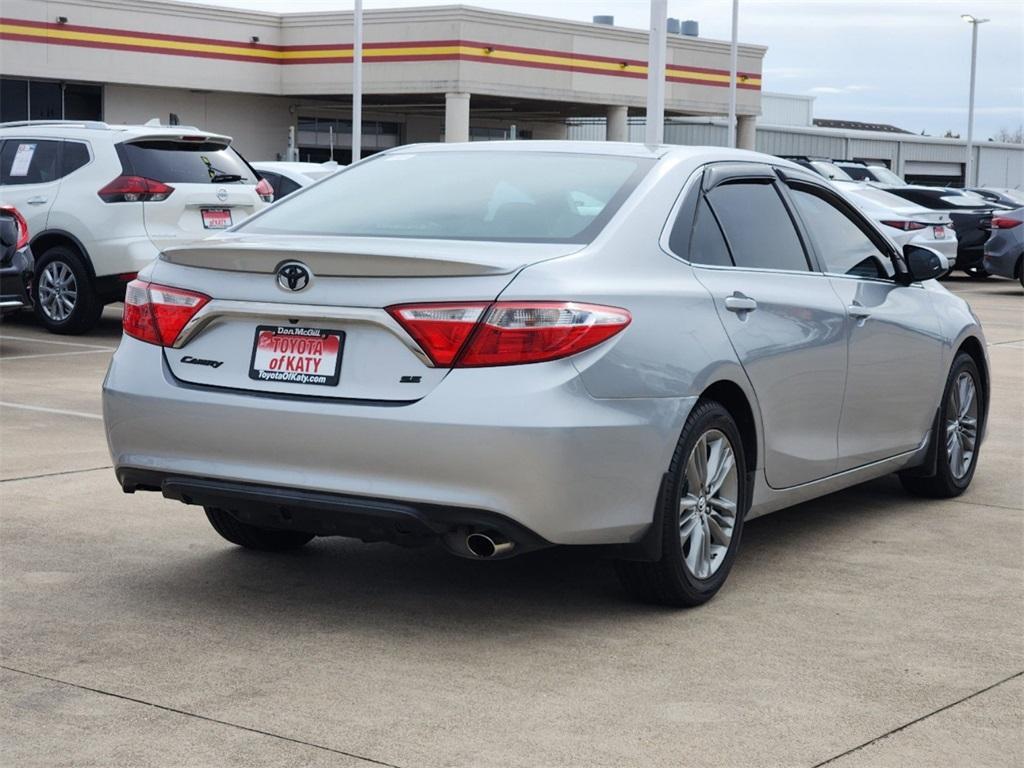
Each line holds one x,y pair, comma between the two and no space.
477,133
49,100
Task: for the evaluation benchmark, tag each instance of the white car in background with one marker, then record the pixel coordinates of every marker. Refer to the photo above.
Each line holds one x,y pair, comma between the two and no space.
903,221
102,201
287,177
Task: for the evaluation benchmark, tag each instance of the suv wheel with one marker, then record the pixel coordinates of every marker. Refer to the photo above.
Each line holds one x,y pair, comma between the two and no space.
254,537
65,300
703,516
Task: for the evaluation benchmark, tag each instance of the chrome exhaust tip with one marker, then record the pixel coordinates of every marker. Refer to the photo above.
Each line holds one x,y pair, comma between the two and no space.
486,545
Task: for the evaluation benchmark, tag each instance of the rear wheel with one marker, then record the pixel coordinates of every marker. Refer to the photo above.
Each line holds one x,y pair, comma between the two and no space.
65,300
960,422
703,514
253,537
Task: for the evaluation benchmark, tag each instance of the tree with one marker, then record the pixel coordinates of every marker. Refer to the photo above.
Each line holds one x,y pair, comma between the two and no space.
1011,135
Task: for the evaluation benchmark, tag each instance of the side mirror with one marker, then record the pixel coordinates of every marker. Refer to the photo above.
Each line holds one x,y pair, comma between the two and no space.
922,264
8,232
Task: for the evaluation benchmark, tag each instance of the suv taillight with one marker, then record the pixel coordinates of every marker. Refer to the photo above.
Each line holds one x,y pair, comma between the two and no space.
20,223
265,191
157,313
1002,222
475,335
135,189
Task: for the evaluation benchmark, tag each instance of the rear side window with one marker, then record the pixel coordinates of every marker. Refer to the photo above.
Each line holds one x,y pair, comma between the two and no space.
758,227
184,162
76,154
708,246
29,161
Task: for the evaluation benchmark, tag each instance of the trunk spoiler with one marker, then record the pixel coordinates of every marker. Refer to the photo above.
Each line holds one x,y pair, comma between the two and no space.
363,256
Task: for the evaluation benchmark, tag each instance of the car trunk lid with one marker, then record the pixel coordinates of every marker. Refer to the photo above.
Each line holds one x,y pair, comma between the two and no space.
332,337
214,188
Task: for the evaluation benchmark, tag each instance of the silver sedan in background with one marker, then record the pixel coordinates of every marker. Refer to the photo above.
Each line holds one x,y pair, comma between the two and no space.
508,346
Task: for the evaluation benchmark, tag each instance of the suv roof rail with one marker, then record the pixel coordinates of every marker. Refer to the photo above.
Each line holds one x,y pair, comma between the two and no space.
94,124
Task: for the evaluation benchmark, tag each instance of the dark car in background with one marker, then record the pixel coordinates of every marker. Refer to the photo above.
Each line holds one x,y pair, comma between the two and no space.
1011,197
15,261
971,215
1004,251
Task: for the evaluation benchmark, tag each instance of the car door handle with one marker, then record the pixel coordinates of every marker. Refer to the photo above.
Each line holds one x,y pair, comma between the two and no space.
856,310
740,304
36,200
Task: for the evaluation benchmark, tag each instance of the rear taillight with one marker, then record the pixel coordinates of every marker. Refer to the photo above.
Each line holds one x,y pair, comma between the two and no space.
20,222
265,191
157,313
508,332
135,189
906,226
1001,222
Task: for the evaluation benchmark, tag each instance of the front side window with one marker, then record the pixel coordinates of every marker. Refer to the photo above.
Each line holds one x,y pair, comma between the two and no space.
29,161
758,227
486,195
840,244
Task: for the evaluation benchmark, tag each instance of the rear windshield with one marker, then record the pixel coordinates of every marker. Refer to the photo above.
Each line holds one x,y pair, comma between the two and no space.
480,195
857,172
185,162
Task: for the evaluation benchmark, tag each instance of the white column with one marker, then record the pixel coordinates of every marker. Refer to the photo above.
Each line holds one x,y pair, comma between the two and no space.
656,44
969,165
746,133
456,117
618,124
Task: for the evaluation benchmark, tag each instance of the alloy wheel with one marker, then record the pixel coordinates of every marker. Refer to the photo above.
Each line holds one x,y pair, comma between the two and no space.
58,291
707,509
961,425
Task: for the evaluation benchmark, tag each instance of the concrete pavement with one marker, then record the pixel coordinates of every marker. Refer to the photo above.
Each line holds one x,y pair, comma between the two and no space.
863,629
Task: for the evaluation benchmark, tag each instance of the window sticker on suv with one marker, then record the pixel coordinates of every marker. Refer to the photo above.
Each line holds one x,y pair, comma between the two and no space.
22,159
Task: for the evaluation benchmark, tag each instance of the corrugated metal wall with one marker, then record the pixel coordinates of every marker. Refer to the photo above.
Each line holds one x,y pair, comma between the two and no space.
999,166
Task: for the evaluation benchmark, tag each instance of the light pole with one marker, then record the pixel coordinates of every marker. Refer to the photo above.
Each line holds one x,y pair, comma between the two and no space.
357,81
969,166
656,53
733,56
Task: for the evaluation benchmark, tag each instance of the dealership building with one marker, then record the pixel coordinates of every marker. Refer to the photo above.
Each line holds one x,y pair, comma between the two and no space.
281,85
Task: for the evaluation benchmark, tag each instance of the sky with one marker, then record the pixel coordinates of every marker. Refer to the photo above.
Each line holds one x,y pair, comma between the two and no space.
904,62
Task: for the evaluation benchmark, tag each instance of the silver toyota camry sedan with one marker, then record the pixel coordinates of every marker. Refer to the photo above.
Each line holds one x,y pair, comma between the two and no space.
502,347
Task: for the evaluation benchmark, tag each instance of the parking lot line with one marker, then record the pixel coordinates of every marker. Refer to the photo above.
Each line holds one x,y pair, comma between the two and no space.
57,354
6,337
59,411
186,713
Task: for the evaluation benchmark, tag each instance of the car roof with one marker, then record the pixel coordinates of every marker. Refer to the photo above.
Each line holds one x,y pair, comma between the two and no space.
87,129
700,154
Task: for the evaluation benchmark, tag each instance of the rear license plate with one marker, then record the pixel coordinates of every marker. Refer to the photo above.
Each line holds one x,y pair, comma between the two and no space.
216,218
940,233
296,355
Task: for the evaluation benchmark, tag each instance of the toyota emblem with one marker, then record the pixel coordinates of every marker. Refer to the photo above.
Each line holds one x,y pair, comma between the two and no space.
222,194
293,276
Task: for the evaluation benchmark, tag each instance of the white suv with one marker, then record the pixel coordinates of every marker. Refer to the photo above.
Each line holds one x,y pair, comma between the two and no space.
103,200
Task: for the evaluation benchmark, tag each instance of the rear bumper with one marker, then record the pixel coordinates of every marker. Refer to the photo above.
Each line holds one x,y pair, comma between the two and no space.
15,279
523,444
1003,262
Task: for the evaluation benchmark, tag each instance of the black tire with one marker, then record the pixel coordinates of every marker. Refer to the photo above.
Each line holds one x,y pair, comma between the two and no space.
944,484
253,537
86,308
669,581
977,273
1020,271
